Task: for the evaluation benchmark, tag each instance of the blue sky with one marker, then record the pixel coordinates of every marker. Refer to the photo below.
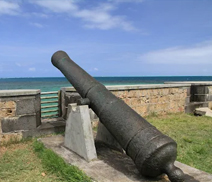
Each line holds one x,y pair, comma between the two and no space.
107,37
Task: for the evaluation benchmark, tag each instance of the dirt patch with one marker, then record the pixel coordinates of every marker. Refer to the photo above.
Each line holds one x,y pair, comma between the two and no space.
13,147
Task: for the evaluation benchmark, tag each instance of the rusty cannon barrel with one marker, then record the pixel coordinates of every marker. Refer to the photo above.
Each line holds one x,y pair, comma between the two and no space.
152,152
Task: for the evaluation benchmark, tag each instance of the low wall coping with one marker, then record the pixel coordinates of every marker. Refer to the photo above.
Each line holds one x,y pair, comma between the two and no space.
191,82
134,87
20,92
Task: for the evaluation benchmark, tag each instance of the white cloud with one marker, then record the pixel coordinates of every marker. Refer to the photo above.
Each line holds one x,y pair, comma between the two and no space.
31,69
9,8
57,6
197,54
96,69
38,25
99,17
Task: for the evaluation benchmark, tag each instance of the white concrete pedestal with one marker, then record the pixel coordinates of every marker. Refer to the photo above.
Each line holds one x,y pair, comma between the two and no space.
78,133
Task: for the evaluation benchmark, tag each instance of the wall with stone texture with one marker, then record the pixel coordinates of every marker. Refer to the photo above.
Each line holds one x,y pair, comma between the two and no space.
154,100
144,99
19,110
200,94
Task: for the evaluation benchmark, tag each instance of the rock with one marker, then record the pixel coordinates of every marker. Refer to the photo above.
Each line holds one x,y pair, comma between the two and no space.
203,111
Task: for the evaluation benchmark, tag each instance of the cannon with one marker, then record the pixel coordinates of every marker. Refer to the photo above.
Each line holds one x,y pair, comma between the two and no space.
152,152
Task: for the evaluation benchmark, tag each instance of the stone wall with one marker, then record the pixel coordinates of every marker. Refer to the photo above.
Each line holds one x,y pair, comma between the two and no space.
154,100
19,110
144,99
200,94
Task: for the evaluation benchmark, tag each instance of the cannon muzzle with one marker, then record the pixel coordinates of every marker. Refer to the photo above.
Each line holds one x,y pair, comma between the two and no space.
152,152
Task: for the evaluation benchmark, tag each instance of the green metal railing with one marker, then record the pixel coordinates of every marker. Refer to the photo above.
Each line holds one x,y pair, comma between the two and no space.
49,104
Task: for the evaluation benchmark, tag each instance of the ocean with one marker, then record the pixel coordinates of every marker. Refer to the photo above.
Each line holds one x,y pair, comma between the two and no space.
46,84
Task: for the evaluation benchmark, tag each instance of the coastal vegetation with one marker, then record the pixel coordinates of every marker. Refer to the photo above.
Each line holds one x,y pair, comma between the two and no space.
29,160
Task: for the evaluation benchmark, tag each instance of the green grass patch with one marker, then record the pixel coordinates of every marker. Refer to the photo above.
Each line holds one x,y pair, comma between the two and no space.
193,135
30,161
56,165
19,163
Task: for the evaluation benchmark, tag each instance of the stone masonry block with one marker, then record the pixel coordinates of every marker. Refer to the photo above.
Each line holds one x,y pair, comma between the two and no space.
131,94
134,102
176,90
25,122
156,92
25,106
72,97
144,93
172,105
7,108
68,98
165,91
7,112
153,100
7,104
128,101
162,99
123,94
185,94
142,110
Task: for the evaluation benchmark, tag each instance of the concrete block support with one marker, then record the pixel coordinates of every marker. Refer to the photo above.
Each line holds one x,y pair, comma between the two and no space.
78,133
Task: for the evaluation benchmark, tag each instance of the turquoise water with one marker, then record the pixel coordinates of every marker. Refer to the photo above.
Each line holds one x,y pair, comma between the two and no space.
55,83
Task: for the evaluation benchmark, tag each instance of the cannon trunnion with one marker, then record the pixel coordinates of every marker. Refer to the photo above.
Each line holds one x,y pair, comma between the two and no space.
152,152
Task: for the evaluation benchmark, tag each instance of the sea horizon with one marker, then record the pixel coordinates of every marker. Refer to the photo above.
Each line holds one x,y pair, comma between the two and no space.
55,83
111,76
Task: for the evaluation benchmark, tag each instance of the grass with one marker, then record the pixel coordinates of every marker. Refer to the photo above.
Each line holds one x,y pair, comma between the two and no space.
30,161
56,165
193,135
18,162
